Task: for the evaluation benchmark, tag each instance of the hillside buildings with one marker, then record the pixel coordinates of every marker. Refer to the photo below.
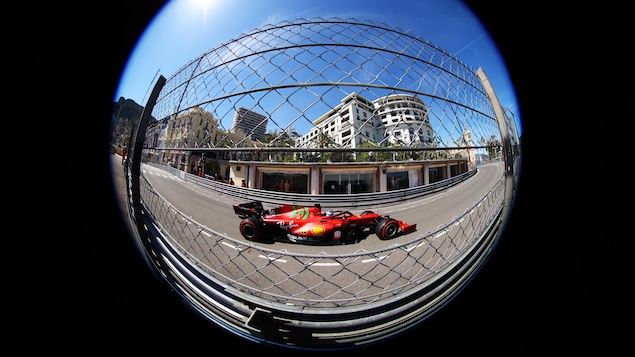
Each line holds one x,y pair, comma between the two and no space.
195,128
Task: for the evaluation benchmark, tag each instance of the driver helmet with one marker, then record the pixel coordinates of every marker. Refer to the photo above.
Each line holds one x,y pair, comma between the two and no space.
329,213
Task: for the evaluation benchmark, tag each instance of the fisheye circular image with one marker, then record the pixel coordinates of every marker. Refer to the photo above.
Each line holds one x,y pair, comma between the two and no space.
315,175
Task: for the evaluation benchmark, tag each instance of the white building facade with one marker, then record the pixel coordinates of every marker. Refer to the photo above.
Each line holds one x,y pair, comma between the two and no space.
399,119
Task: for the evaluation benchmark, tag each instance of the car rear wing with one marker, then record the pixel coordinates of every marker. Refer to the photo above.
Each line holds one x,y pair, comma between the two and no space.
250,209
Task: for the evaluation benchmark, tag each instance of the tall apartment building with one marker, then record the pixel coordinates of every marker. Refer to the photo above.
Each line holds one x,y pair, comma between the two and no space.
251,123
401,119
404,120
344,126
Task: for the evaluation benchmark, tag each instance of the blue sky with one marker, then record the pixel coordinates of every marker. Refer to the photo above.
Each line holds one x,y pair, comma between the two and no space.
185,29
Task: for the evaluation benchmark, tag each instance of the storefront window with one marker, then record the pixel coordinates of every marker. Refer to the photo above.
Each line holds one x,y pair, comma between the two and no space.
284,182
436,174
348,183
397,180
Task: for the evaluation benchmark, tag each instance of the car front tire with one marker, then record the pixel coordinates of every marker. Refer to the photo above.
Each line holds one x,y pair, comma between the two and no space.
387,228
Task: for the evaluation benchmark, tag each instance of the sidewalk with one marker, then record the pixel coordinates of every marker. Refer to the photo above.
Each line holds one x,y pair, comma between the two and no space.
119,184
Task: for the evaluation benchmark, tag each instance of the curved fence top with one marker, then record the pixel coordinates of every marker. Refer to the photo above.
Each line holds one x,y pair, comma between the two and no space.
294,74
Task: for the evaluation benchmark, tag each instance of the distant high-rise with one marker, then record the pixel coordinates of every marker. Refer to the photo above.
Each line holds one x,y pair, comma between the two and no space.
252,123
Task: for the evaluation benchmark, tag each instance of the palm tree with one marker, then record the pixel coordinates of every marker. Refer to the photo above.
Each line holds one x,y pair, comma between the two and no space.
323,140
493,145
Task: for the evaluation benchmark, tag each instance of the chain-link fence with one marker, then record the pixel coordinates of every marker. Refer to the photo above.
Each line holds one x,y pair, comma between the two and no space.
322,280
286,84
290,98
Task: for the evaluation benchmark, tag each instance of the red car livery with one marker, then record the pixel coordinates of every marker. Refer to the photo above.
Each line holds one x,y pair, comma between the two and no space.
309,224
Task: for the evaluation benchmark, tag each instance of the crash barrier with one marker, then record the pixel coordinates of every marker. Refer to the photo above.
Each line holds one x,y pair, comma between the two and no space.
315,301
326,200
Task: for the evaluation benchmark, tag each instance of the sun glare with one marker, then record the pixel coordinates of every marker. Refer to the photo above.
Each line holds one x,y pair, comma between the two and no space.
203,6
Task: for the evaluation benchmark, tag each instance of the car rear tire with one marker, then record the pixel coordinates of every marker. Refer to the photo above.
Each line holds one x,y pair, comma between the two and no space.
250,228
387,228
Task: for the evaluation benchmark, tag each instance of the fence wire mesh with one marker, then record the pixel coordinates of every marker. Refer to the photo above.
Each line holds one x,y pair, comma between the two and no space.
283,86
323,280
310,91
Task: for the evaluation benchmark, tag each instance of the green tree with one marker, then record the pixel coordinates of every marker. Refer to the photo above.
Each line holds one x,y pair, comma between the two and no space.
493,147
369,155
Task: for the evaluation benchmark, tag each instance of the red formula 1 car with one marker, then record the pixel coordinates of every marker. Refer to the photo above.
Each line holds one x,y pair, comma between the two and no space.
309,224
